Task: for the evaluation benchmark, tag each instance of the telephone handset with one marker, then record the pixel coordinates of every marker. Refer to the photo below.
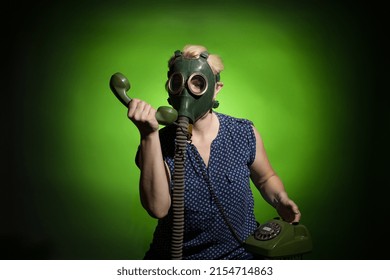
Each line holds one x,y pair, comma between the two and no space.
119,85
279,239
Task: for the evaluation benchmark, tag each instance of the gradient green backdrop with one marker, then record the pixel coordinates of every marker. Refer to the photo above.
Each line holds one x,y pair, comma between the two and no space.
299,71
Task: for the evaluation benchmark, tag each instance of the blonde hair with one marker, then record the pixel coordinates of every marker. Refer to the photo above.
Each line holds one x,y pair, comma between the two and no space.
193,51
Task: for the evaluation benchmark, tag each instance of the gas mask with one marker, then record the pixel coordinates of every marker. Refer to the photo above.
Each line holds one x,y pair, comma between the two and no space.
191,86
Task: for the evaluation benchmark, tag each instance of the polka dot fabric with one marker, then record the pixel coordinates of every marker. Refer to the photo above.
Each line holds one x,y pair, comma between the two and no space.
206,234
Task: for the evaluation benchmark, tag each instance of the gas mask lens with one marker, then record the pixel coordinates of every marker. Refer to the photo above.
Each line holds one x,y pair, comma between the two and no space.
196,84
175,83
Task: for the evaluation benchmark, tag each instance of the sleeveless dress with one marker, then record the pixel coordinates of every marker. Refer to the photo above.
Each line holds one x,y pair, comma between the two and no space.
206,235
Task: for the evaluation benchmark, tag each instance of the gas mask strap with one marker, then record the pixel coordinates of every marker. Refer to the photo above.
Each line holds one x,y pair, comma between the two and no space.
177,53
204,54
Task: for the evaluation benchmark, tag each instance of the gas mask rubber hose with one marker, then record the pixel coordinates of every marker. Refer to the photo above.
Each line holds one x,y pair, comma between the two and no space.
178,188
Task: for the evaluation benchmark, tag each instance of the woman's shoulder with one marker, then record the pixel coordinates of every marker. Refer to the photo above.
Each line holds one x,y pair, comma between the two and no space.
232,121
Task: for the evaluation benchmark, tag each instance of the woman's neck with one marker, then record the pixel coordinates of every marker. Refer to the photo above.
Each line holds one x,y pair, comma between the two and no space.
206,127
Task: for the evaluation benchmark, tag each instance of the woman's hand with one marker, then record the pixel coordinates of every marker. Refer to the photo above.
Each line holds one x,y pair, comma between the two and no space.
287,209
143,116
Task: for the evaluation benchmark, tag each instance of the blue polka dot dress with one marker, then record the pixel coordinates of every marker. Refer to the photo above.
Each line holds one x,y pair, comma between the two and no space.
206,234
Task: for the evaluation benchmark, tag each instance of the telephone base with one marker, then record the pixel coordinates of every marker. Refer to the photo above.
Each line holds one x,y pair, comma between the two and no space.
277,239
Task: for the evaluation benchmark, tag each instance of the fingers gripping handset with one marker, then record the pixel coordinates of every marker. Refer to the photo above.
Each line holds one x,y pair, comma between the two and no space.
119,85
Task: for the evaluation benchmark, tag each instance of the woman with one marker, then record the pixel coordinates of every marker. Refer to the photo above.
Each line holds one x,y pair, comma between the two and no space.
223,154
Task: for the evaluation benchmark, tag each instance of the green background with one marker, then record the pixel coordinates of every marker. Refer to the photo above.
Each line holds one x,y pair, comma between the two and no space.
303,72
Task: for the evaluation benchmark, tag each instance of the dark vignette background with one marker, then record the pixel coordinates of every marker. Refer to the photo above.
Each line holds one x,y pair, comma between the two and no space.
349,223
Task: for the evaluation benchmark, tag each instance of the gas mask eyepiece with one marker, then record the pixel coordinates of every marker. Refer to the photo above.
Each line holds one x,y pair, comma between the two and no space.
196,84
